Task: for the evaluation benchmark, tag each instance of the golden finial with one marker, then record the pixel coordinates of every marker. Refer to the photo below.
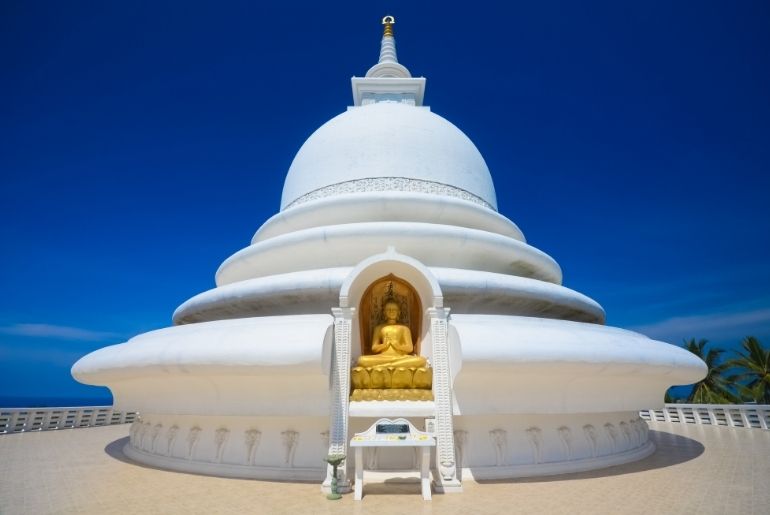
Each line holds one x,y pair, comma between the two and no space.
388,21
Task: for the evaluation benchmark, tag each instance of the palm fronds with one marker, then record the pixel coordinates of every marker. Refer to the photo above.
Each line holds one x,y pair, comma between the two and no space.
715,387
753,380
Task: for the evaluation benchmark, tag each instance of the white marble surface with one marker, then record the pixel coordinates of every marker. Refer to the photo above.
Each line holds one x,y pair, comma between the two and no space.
387,206
346,244
313,291
388,140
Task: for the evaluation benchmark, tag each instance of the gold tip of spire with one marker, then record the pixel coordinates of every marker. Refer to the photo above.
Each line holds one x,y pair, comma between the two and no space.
388,21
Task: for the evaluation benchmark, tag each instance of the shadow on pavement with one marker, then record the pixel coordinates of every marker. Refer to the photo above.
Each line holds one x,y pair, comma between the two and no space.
671,449
115,450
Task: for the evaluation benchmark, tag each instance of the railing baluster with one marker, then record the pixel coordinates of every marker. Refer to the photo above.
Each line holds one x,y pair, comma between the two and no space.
732,415
16,420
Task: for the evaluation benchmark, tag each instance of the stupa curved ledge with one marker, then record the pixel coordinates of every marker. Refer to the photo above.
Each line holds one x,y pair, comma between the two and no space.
389,206
343,244
466,290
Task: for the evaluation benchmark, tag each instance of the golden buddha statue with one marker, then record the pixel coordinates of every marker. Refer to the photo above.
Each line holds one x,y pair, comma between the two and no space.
392,343
392,371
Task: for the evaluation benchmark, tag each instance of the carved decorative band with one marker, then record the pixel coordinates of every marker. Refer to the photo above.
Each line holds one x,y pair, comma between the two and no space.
390,184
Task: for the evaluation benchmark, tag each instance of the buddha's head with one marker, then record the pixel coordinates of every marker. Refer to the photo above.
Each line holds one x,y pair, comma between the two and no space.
391,310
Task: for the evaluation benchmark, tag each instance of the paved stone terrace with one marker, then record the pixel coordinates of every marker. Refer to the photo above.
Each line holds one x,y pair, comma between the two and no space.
696,469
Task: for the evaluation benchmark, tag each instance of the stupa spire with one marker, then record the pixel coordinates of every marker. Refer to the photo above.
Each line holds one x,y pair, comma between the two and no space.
388,65
388,43
388,80
388,21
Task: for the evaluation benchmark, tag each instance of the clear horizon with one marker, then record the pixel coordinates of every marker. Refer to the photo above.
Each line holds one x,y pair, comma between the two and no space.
141,145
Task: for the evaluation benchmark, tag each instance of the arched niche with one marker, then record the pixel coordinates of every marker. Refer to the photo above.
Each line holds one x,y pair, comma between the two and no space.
407,269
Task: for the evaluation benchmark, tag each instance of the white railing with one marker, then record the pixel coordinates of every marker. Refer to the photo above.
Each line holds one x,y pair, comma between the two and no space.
19,420
732,415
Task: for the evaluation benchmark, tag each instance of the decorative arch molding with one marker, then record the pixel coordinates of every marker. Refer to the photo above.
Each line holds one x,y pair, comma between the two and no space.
391,262
435,318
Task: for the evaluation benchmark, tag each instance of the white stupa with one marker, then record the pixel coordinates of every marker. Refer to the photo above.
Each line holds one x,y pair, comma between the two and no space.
254,378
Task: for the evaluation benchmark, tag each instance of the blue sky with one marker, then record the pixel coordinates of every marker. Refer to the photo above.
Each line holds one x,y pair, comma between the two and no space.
142,143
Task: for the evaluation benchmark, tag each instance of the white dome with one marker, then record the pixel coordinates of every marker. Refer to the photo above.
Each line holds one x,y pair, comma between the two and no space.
385,147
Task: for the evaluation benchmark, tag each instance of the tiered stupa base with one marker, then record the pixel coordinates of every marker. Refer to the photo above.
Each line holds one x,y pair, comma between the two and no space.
293,448
512,446
276,447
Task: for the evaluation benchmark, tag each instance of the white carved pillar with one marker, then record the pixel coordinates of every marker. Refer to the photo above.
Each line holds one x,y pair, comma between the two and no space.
447,480
340,394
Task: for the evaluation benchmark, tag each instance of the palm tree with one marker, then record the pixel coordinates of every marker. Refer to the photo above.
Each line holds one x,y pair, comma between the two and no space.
715,387
753,382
